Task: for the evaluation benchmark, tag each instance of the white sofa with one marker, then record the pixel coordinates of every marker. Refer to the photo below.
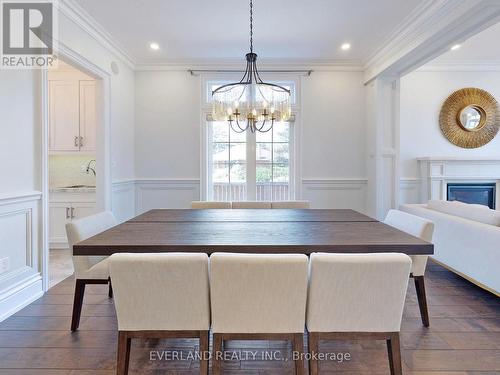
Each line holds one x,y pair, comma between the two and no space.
466,239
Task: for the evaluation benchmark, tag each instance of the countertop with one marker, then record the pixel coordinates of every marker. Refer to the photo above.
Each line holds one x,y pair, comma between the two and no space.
85,189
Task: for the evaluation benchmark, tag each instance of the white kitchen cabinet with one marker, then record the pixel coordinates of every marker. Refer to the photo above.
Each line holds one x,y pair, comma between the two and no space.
63,208
64,117
58,217
72,115
81,209
87,116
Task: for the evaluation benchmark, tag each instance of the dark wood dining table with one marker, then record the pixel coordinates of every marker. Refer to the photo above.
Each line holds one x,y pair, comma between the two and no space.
253,230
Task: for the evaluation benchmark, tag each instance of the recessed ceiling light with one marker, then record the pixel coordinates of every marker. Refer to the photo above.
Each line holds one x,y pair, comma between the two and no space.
345,46
455,47
154,46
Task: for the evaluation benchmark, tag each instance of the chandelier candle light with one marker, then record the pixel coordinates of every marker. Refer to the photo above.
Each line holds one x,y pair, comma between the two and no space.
251,103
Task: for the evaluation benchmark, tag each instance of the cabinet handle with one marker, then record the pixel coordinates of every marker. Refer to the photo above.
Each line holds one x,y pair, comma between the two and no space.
72,212
67,212
76,141
81,141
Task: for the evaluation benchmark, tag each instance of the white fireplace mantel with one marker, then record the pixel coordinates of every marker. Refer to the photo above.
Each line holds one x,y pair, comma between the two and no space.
437,172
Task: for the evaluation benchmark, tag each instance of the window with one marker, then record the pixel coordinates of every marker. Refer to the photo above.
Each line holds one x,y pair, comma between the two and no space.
272,163
248,166
228,163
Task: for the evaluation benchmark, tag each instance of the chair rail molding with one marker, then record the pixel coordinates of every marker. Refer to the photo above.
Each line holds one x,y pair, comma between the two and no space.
20,259
165,193
335,192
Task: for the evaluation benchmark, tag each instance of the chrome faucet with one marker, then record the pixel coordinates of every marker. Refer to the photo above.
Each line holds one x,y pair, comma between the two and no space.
89,168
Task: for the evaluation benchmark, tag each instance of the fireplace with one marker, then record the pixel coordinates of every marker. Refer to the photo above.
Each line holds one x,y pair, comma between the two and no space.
473,193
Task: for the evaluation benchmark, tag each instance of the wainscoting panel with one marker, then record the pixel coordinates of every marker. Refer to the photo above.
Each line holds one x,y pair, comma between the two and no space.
123,199
409,190
335,193
20,279
164,193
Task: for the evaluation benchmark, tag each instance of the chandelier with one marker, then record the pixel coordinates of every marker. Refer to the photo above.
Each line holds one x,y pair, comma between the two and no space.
251,103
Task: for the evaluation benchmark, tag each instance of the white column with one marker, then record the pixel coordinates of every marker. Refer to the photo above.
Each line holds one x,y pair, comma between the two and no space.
382,103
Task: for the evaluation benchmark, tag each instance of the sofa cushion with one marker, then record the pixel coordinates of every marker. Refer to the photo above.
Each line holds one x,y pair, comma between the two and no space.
468,211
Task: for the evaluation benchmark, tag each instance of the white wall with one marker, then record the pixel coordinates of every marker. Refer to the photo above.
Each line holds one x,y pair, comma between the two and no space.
122,125
168,135
121,112
333,125
121,91
422,94
21,282
18,106
168,125
333,140
21,150
167,139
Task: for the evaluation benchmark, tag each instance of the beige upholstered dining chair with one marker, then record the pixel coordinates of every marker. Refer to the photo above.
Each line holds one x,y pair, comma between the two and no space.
424,229
291,204
88,269
256,296
161,296
251,204
357,296
208,204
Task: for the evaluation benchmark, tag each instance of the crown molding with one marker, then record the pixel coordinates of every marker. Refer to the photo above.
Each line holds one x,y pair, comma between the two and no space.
424,34
461,66
403,33
428,32
239,65
84,20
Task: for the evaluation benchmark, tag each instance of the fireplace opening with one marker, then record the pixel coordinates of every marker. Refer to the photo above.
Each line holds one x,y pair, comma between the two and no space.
473,193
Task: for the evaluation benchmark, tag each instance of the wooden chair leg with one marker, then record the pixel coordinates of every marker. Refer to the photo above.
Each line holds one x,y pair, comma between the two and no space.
422,299
77,304
204,347
123,353
110,290
313,350
216,357
394,352
298,348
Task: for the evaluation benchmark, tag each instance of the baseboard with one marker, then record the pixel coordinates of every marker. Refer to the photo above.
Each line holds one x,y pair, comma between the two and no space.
20,296
468,278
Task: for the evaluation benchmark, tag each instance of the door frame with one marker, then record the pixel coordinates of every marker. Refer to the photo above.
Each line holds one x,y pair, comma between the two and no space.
103,145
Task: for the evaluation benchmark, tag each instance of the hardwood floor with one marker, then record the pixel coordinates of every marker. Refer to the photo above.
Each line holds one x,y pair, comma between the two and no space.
463,338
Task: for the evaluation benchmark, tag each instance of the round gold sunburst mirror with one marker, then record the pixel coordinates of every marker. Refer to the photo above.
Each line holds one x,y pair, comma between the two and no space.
470,118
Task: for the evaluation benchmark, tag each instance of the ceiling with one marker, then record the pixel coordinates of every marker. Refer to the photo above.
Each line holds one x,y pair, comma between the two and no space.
292,30
481,48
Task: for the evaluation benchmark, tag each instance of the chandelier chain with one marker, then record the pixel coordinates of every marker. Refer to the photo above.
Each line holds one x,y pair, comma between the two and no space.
251,26
263,103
